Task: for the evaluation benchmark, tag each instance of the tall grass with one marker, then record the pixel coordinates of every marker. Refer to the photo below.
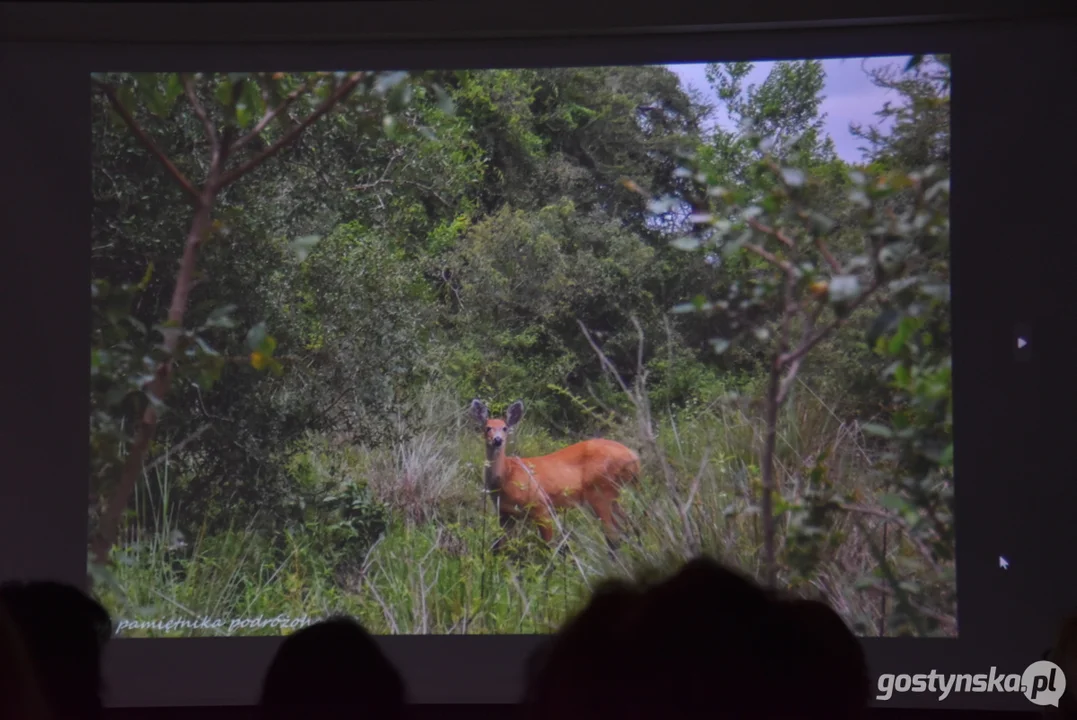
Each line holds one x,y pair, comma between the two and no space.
431,570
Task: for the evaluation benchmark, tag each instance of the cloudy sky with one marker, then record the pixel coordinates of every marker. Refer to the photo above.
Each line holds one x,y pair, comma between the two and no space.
849,94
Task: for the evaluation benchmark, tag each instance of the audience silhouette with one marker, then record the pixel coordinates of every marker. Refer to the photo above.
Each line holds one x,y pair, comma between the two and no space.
60,633
335,667
20,692
1064,654
706,642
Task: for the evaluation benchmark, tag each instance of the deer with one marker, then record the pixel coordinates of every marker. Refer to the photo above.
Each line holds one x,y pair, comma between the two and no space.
590,474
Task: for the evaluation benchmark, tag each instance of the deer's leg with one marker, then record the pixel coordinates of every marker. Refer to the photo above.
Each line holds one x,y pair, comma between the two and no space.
622,521
507,522
603,507
545,525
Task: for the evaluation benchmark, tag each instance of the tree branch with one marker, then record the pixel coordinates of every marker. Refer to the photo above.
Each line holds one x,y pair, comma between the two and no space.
330,102
159,386
773,259
178,446
146,140
832,261
794,366
362,187
924,551
773,232
200,111
269,117
109,526
806,347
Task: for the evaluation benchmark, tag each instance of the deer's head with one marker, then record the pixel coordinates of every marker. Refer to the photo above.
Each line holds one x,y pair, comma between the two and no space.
496,430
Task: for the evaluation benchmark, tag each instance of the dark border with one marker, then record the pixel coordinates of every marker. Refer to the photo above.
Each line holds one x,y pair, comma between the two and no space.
327,22
1011,433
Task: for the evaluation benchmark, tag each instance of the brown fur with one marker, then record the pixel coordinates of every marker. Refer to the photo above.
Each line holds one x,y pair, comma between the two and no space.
588,474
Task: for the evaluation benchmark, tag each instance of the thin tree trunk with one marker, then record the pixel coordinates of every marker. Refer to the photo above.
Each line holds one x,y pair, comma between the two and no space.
109,525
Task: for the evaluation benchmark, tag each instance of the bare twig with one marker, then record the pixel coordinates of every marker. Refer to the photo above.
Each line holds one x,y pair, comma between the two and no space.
199,110
832,261
806,347
773,259
773,232
330,102
794,366
888,517
269,117
146,140
362,187
178,446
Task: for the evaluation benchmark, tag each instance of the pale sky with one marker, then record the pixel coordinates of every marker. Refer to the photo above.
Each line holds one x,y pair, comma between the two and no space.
848,94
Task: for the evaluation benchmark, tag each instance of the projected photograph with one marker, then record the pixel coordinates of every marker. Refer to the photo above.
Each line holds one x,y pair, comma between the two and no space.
443,350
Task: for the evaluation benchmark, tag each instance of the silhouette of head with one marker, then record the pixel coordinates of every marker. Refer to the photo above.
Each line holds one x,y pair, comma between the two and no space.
1064,654
63,632
822,665
335,667
569,674
20,692
707,642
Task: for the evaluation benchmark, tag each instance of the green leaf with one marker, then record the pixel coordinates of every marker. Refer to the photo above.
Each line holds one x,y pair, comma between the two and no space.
237,77
399,98
256,337
752,212
844,288
947,458
173,91
938,291
126,97
720,345
942,186
729,247
302,246
883,324
387,81
822,224
793,177
250,105
686,243
877,430
268,346
223,92
914,62
661,206
894,502
152,97
445,102
221,317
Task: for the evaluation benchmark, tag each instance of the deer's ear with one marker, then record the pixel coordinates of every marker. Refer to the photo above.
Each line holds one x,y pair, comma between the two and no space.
515,413
478,411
